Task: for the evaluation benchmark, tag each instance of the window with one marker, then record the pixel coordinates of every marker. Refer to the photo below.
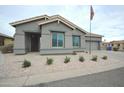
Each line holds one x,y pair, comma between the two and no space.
76,41
57,39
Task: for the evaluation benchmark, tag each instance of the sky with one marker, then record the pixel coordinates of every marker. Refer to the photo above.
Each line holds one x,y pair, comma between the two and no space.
108,20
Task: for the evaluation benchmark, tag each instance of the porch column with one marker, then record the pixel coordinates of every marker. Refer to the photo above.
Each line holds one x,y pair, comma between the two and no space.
45,43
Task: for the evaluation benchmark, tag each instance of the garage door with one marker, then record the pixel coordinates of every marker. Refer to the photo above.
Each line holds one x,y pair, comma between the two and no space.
94,45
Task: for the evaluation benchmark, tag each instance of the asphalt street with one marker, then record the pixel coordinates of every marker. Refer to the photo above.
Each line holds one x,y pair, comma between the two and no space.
112,78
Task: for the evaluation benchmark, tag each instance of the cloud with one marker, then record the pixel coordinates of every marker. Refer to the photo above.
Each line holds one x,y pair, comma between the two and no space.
108,21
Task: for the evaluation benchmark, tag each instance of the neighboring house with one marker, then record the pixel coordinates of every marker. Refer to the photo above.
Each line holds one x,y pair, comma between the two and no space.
5,40
51,35
119,44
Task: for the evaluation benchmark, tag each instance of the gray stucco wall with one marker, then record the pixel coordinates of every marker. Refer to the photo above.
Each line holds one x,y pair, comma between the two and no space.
19,44
45,40
22,41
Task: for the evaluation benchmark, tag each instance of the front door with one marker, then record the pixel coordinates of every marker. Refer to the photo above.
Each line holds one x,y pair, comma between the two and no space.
35,39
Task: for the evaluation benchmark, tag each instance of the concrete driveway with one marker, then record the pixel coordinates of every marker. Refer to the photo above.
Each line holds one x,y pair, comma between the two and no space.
1,58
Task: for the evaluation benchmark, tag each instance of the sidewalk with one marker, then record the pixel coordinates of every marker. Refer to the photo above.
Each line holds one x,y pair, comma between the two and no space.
36,79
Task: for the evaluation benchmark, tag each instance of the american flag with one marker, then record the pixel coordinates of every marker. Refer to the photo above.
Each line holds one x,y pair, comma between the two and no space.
91,13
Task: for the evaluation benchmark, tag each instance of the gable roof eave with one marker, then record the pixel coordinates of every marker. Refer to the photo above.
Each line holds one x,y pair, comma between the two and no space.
69,22
28,20
93,35
53,20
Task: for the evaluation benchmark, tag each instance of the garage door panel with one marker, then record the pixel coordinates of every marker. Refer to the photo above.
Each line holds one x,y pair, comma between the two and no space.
94,45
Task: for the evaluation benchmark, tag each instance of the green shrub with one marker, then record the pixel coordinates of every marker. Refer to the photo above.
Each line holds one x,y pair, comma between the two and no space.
81,59
94,58
26,64
115,49
49,61
105,57
7,48
67,59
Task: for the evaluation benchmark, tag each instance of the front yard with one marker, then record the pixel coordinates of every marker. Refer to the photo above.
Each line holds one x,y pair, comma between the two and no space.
12,67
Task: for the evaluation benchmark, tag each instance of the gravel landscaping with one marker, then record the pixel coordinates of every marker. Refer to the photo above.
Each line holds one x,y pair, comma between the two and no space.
12,66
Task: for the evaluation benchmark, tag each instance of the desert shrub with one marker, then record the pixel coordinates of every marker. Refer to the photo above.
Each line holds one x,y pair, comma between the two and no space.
67,59
74,53
115,49
104,57
81,59
26,64
94,58
49,61
7,48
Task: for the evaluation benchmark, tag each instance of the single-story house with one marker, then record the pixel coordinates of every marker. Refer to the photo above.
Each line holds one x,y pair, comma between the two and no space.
52,35
119,44
5,40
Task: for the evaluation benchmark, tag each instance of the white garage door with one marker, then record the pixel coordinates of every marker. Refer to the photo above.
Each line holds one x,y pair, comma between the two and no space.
94,45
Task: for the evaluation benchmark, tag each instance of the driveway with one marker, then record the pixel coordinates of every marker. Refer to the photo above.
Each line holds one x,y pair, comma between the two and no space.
112,78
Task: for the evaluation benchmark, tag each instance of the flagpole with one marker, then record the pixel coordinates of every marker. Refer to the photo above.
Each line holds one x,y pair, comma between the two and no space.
91,17
90,33
90,39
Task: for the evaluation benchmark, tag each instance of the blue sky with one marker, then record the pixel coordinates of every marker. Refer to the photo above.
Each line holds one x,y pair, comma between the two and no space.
107,21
